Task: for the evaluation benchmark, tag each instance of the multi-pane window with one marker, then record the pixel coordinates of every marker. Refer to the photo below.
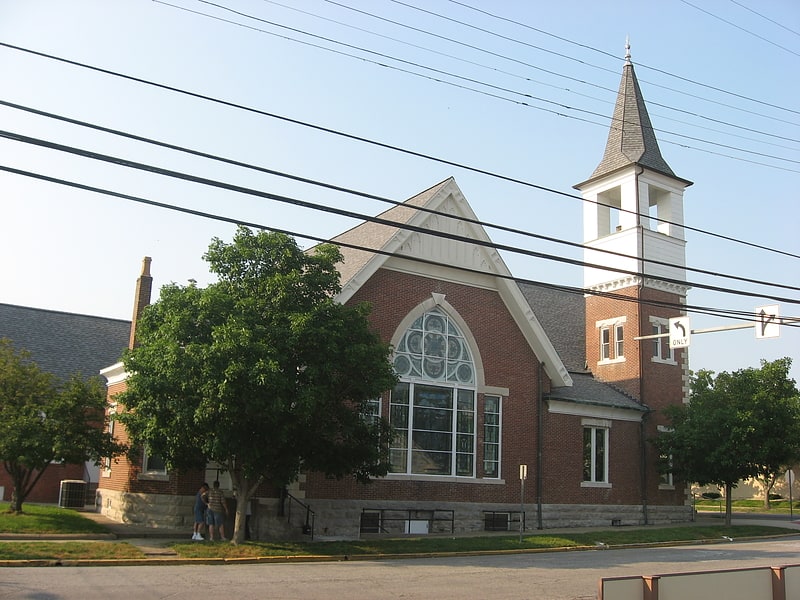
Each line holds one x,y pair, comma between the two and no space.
662,352
491,436
612,339
434,349
371,411
666,481
433,407
605,343
111,421
595,454
619,340
434,430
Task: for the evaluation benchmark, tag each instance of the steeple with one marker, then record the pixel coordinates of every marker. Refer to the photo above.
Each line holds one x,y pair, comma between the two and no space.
631,139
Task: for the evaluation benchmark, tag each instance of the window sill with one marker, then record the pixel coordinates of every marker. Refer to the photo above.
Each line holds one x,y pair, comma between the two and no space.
105,473
441,479
663,361
611,361
153,477
596,484
665,486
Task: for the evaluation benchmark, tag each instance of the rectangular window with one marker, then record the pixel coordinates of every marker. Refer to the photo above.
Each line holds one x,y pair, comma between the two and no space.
612,339
619,340
372,411
666,477
153,464
661,348
595,454
434,430
491,436
605,343
111,422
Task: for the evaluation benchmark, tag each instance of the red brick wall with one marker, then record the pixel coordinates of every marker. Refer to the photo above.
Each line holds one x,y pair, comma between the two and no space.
47,488
655,384
508,362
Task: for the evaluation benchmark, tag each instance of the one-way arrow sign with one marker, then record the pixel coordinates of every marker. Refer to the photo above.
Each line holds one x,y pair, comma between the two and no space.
767,322
680,332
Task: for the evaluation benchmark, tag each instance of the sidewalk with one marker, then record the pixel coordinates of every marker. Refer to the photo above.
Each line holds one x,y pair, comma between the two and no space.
155,542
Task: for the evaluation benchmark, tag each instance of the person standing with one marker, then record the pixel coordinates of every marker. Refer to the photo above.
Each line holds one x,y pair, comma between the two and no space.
200,505
217,511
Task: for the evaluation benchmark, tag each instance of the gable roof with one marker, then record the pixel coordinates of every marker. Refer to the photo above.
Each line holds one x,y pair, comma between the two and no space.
396,239
65,343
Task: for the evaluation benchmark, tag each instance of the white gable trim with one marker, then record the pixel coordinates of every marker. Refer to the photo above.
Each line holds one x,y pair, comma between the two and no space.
450,200
593,411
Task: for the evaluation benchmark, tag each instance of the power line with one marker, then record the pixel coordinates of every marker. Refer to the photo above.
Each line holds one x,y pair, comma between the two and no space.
773,21
373,142
467,79
732,24
350,191
580,61
536,81
663,72
373,219
742,315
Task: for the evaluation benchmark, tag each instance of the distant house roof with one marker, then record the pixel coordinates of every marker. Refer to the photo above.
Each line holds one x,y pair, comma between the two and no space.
65,343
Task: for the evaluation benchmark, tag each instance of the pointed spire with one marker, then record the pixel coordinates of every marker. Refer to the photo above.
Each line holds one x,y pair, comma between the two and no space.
631,139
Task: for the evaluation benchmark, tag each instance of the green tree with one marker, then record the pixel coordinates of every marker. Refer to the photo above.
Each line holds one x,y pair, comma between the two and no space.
44,422
262,372
736,426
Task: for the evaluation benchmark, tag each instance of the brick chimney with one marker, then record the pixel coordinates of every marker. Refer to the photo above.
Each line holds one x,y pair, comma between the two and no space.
144,285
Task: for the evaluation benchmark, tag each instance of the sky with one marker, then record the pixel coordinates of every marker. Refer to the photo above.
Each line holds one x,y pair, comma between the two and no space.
512,99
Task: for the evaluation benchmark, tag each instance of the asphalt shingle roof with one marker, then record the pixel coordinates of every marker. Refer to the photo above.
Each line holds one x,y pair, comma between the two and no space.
631,139
562,314
65,343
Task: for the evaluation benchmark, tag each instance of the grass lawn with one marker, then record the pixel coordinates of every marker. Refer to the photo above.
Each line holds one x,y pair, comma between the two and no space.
68,551
426,545
46,519
778,507
37,519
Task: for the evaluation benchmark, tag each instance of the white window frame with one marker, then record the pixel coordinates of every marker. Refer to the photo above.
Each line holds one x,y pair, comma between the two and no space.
499,427
612,339
148,473
408,429
666,481
662,352
594,426
112,410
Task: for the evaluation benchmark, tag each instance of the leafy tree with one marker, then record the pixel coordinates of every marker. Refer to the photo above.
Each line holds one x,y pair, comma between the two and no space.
44,422
262,372
737,425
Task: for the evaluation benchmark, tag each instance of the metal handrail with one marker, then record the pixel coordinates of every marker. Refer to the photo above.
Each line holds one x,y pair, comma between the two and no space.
311,517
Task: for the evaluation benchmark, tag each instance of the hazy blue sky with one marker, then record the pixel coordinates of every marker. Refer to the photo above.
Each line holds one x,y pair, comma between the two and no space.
520,89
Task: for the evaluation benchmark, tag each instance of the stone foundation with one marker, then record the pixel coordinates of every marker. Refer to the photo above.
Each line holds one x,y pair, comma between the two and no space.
152,510
341,519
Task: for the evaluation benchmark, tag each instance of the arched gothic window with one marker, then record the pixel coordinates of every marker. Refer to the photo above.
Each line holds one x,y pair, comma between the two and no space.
433,406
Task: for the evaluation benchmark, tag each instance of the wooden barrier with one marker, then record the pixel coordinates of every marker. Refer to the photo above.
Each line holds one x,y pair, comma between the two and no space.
775,583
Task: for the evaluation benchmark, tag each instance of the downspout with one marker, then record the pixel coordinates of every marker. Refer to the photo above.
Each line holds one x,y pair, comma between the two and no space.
642,353
539,447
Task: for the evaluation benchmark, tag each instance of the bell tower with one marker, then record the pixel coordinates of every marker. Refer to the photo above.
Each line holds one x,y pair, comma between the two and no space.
635,256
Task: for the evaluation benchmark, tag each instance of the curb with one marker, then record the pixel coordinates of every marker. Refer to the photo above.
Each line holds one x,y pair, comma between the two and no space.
162,561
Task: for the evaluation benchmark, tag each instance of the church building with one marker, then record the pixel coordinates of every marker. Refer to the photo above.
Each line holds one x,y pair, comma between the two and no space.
517,403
